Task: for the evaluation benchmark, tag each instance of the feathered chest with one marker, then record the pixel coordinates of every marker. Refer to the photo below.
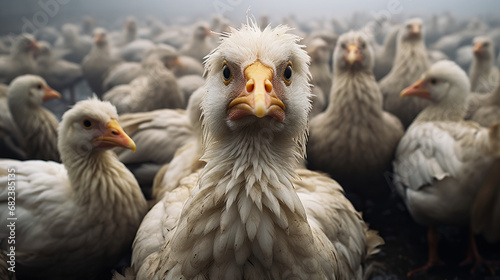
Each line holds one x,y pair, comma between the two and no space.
356,100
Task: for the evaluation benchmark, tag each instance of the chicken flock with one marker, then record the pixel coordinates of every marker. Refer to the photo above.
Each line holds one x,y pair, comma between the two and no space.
244,151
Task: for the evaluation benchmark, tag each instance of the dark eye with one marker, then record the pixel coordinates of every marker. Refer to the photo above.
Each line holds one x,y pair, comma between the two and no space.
226,73
344,46
287,74
486,45
433,82
39,86
87,124
408,27
362,45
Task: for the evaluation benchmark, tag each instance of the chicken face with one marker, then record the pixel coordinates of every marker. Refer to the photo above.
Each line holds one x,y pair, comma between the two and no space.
353,52
31,90
257,79
100,37
444,81
412,29
92,126
26,44
202,30
483,48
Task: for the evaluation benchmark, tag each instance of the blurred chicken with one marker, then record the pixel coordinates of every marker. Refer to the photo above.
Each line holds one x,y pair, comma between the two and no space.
320,68
77,218
59,74
156,88
342,138
483,74
98,62
11,140
199,45
484,108
410,63
21,59
37,125
77,46
442,161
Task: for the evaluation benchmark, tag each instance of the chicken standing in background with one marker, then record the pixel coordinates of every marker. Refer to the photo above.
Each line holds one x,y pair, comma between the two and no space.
21,59
343,138
199,45
410,63
484,108
58,73
97,63
37,125
156,88
77,218
483,74
320,68
442,161
75,46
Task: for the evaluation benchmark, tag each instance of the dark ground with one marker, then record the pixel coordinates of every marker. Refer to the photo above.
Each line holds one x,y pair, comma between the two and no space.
406,241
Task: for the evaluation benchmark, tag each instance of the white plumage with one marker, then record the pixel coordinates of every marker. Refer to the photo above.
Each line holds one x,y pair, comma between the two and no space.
343,138
79,217
37,125
156,88
247,215
442,161
410,63
483,74
21,59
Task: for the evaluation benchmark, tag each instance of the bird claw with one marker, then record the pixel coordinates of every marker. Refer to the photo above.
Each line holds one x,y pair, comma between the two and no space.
480,261
430,264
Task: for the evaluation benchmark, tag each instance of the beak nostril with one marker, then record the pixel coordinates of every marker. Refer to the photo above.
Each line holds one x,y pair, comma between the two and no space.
115,132
250,85
269,86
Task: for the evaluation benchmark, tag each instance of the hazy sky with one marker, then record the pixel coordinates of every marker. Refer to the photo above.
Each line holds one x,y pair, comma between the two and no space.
12,12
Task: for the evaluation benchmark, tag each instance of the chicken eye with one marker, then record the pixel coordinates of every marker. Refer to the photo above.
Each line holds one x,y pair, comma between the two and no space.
87,124
39,86
486,45
344,46
287,74
434,82
226,73
363,45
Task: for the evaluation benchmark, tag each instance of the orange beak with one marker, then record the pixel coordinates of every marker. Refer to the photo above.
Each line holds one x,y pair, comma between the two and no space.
417,89
258,98
128,24
353,54
208,32
415,30
98,38
50,94
478,48
114,136
172,63
34,45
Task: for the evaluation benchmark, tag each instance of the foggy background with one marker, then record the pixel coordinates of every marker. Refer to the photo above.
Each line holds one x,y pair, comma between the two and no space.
15,14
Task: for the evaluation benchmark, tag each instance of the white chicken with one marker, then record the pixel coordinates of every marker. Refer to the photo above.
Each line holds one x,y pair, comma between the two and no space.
247,215
442,161
77,218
